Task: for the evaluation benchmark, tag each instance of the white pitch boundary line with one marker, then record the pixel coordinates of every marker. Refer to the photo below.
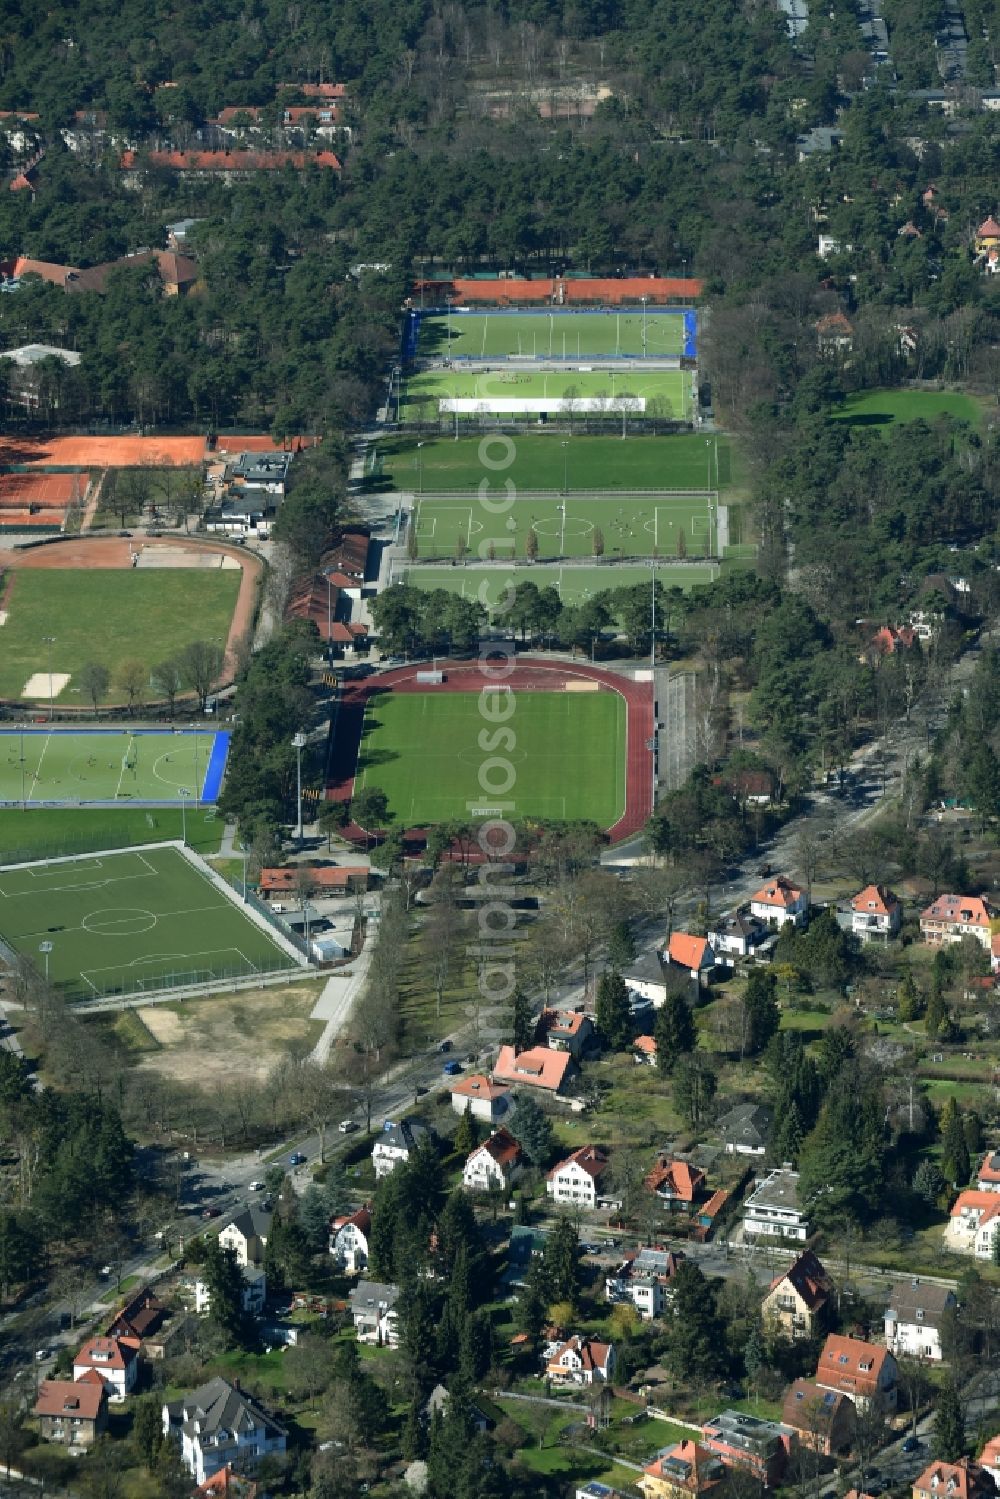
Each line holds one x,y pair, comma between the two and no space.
48,741
121,773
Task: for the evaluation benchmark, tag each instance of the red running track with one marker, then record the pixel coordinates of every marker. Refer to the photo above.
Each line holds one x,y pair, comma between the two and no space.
529,673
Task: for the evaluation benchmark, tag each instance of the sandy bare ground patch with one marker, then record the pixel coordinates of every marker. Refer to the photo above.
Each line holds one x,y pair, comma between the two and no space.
221,1039
41,684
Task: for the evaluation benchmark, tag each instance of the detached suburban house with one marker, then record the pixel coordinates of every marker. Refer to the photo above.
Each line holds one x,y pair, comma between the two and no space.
772,1210
962,1480
745,1130
675,1183
373,1307
876,914
538,1067
799,1299
647,978
247,1235
823,1419
487,1100
395,1144
751,1442
952,917
116,1360
694,954
864,1372
254,1296
349,1241
914,1317
644,1280
219,1425
737,935
685,1471
577,1179
580,1361
779,903
566,1030
974,1223
989,1172
73,1413
494,1164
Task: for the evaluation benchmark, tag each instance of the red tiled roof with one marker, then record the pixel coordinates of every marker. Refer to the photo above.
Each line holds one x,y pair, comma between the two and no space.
478,1086
713,1207
850,1365
593,1355
645,1044
705,1470
325,878
989,229
966,910
809,1278
235,161
682,1178
656,289
107,1353
780,892
502,1146
982,1205
877,898
362,1219
76,1398
962,1480
317,90
987,1171
834,322
687,951
539,1067
560,1022
225,1484
588,1157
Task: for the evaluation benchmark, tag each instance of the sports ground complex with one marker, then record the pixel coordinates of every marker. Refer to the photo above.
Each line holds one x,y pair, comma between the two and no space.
491,584
501,333
110,767
135,922
518,392
579,744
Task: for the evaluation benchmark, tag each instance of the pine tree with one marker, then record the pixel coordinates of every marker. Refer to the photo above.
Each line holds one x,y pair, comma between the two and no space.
613,1012
762,1015
908,1000
522,1030
955,1161
788,1133
948,1440
224,1281
534,1131
674,1030
695,1086
696,1347
562,1262
929,1183
936,1017
621,946
467,1135
475,1348
598,542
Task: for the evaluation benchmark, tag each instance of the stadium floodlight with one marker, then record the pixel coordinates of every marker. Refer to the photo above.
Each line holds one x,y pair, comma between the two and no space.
644,300
184,793
45,948
298,745
49,641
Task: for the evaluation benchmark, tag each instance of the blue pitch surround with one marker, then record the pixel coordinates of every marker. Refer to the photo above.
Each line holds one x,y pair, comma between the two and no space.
211,782
216,767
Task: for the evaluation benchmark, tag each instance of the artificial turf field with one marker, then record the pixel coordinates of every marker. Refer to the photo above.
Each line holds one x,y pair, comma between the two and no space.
106,615
632,526
110,765
885,408
575,584
423,751
131,922
554,461
553,335
669,389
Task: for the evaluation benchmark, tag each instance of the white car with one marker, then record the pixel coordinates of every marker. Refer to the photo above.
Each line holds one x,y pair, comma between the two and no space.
348,1126
257,1186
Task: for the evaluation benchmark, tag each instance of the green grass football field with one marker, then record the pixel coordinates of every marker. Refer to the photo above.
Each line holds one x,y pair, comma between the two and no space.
559,335
40,766
108,616
885,408
633,526
51,832
130,922
670,390
554,461
575,584
423,751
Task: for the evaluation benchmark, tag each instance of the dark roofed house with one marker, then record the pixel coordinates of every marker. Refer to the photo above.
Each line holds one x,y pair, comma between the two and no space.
745,1129
219,1425
824,1419
140,1317
396,1143
800,1297
914,1318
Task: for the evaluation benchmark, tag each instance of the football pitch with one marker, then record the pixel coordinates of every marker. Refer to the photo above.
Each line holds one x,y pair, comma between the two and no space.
555,335
423,751
575,584
538,460
43,767
633,526
667,392
126,923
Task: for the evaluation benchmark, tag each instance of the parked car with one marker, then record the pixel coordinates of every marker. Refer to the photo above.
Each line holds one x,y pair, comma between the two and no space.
451,1069
211,1212
257,1186
296,1158
911,1444
445,1046
348,1126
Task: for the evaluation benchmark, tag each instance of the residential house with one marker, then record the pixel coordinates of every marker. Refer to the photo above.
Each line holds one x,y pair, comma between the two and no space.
239,515
437,1403
675,1183
987,245
887,641
221,166
349,1235
746,1129
744,1441
577,1179
565,1030
219,1426
647,978
140,1317
772,1210
752,788
973,1223
834,335
349,554
876,914
988,1179
254,1294
247,1235
706,1216
644,1278
693,954
580,1361
989,1458
494,1164
864,1372
177,273
225,1484
780,903
595,1490
965,1479
373,1307
914,1319
395,1144
995,953
486,1100
525,1244
685,1471
28,373
799,1299
737,935
73,1413
538,1067
116,1360
263,472
950,918
823,1419
644,1050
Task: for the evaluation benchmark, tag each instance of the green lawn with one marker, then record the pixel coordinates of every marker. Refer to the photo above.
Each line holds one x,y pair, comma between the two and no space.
883,408
130,922
41,766
554,335
47,832
666,393
106,616
622,526
575,584
542,460
567,753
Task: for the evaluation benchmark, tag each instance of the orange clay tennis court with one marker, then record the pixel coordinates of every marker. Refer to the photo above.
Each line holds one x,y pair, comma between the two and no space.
51,491
102,452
